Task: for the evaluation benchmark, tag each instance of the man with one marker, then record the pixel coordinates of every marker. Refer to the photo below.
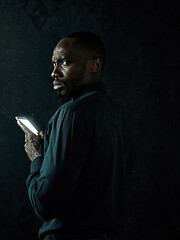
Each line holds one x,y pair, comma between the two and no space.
77,185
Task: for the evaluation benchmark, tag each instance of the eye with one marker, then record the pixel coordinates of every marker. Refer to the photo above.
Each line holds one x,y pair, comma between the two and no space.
66,63
54,64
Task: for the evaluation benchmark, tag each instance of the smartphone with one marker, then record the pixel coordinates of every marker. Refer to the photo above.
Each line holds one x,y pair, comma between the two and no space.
27,124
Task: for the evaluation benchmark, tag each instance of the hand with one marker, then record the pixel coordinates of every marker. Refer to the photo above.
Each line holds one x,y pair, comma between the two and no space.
33,144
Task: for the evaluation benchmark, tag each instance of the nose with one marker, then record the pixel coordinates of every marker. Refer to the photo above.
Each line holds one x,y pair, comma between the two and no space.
56,73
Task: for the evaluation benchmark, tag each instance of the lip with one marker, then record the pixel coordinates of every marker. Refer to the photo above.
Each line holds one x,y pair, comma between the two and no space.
57,84
57,87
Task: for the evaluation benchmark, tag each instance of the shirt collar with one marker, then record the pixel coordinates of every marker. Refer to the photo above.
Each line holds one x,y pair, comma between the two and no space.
92,87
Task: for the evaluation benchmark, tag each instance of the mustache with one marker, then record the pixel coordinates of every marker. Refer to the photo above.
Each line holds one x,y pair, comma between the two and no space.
58,82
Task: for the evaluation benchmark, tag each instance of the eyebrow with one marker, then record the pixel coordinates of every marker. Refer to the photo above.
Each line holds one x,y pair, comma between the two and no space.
59,60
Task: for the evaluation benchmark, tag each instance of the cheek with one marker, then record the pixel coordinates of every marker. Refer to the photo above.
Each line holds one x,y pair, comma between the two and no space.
67,72
72,73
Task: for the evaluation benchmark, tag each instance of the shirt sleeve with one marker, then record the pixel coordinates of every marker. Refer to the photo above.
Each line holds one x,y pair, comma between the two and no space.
53,179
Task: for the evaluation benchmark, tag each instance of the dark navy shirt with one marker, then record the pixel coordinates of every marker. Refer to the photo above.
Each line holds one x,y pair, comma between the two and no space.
79,184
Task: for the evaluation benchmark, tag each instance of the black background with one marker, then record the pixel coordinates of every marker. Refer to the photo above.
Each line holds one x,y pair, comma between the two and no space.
142,40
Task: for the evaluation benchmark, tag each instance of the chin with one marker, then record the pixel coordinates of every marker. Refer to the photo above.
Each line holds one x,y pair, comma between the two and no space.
63,96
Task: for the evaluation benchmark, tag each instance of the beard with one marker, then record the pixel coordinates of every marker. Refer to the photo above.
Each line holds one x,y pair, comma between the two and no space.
63,95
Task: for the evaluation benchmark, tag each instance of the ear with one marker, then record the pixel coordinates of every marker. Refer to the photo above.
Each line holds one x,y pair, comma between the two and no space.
96,65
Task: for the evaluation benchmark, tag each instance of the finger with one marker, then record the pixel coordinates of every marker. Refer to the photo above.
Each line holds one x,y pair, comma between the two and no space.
28,138
23,127
26,148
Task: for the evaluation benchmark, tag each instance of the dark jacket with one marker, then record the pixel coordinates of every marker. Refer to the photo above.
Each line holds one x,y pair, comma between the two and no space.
80,184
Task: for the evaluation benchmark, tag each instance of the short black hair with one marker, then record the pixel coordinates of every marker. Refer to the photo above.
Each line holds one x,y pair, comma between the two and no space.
90,41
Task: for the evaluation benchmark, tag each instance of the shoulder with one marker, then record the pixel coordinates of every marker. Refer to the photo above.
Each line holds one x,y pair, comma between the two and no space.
81,105
69,113
86,110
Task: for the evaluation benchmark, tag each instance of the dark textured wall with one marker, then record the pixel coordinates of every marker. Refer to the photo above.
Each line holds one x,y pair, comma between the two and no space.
141,74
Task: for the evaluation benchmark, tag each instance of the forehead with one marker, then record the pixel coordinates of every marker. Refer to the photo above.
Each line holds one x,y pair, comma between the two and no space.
69,47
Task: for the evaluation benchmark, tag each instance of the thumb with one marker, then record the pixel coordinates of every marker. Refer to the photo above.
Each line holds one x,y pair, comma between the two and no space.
42,134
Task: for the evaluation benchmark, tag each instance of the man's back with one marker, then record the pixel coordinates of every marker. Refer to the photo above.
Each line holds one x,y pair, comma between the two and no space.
98,199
